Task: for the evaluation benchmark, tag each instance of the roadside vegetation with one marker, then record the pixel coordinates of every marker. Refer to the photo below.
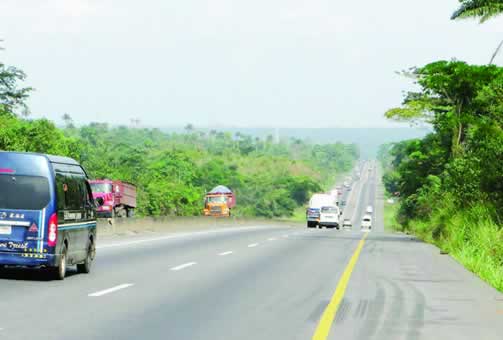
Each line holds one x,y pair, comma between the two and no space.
450,183
174,171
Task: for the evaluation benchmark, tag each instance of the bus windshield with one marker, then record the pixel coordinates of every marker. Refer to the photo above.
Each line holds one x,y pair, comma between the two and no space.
24,181
24,192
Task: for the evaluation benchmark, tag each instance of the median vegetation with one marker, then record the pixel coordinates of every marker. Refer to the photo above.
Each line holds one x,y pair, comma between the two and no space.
173,171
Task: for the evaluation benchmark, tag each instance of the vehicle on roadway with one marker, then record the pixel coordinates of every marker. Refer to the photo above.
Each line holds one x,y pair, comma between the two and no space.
219,202
314,210
346,224
47,213
329,217
369,210
366,222
119,198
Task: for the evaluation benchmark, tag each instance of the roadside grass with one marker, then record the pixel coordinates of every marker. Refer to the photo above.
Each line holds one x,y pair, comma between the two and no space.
470,236
390,213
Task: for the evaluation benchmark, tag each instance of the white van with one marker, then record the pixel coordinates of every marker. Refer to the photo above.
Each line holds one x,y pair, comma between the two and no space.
315,203
329,217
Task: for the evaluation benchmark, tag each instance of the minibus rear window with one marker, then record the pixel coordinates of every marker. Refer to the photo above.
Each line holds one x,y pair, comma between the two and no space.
24,192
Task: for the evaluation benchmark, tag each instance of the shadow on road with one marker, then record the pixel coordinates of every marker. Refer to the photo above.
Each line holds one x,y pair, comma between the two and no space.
30,274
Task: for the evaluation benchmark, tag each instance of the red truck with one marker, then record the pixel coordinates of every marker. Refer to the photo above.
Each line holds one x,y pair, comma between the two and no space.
119,198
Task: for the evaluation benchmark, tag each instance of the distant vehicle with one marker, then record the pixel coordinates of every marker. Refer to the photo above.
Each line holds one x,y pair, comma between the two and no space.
343,203
119,197
346,224
369,210
329,217
219,202
47,213
315,203
347,184
367,222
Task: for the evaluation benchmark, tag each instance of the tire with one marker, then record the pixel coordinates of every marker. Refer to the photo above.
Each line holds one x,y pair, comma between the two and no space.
85,267
59,272
311,224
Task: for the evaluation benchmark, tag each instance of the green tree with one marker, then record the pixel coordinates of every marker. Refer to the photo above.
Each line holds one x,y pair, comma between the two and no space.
12,96
448,98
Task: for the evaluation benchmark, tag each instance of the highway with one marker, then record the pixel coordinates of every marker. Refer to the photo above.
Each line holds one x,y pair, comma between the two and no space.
260,282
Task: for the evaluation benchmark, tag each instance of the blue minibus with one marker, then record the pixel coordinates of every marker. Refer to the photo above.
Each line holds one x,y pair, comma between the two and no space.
47,213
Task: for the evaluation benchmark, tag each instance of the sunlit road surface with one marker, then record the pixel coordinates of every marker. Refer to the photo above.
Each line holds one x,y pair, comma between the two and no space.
260,283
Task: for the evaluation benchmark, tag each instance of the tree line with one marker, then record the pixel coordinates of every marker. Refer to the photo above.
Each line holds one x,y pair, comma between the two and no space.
450,183
173,171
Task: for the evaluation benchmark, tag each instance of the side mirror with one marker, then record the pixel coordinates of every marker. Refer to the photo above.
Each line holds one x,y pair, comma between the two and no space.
99,201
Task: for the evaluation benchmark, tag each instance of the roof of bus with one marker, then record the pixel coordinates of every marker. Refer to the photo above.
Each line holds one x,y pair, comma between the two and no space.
51,158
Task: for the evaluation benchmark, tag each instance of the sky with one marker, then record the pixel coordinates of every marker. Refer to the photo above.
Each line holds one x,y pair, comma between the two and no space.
231,63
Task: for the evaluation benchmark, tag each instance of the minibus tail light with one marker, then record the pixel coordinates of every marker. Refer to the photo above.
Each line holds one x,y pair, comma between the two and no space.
53,231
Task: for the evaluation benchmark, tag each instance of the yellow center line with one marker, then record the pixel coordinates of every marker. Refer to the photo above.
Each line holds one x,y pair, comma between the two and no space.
328,316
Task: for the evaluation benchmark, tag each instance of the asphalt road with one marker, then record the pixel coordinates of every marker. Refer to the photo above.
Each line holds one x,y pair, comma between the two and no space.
259,282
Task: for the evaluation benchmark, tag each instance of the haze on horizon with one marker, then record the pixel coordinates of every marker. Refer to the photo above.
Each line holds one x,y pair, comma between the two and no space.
287,63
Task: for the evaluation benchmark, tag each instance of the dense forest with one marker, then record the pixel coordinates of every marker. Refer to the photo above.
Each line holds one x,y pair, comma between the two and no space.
174,171
450,183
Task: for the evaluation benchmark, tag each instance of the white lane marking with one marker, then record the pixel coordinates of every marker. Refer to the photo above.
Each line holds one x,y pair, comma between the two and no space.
183,266
271,239
110,290
179,235
225,253
252,245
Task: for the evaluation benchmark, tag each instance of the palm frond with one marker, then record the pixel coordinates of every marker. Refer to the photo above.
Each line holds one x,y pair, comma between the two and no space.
482,9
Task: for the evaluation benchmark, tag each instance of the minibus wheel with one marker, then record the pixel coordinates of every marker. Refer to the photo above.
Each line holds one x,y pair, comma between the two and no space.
85,267
59,272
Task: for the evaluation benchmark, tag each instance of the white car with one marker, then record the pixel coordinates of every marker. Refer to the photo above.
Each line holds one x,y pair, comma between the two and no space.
346,224
329,217
367,222
369,210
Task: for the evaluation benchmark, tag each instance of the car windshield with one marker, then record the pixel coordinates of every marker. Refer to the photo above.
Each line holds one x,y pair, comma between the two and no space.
101,187
24,192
